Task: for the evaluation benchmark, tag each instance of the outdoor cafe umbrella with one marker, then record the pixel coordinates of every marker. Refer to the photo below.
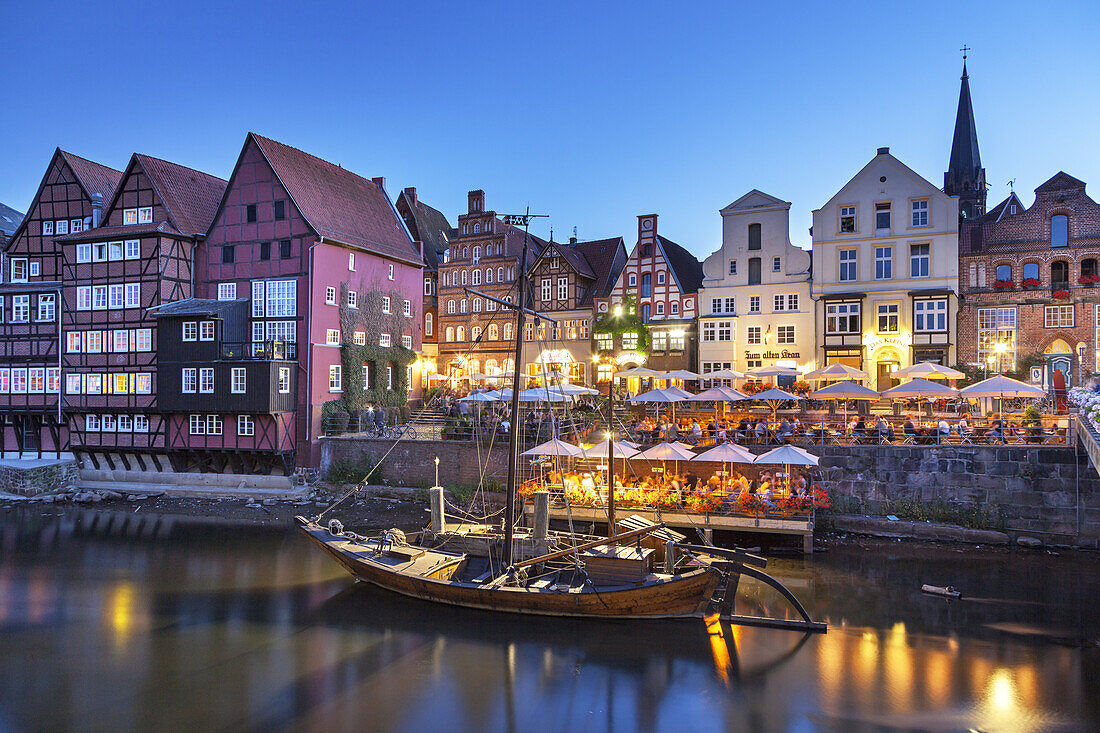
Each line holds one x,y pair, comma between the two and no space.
666,452
481,397
772,370
637,372
553,447
835,371
773,397
659,397
1001,387
928,370
726,453
600,450
845,391
677,374
718,395
723,374
572,389
538,394
920,388
438,377
787,456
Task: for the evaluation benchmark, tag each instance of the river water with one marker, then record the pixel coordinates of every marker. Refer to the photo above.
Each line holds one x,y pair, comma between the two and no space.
108,623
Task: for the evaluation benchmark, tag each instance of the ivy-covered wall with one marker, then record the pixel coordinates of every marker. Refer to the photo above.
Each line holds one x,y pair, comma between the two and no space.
629,321
370,319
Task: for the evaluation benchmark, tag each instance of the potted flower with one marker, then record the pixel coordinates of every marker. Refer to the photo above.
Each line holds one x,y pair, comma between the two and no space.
1031,282
1061,294
1003,284
1088,280
802,388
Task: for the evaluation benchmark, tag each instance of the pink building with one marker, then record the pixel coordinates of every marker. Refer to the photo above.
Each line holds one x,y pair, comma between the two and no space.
318,251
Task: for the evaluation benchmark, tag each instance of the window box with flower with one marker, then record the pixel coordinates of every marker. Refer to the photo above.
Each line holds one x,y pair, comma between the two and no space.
1088,280
1031,282
1060,294
1003,284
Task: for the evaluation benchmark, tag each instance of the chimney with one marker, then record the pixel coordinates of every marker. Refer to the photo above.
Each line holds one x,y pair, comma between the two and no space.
572,241
97,208
410,194
476,201
884,151
380,182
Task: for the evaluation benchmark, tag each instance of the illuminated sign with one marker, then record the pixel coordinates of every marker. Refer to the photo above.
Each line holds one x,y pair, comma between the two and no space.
902,340
784,354
630,357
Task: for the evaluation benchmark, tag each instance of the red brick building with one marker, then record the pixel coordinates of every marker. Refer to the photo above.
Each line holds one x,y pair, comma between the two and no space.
1029,283
430,227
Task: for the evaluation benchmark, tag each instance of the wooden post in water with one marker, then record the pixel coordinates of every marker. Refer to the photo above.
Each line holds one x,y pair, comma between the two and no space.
542,515
611,456
439,522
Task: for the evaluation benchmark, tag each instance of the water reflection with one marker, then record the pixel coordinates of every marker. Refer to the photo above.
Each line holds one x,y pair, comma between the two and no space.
212,628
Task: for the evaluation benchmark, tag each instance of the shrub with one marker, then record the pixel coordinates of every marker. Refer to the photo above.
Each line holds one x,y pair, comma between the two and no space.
338,422
349,472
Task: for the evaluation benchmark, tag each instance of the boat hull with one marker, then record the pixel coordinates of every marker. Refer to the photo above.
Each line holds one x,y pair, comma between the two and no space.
679,596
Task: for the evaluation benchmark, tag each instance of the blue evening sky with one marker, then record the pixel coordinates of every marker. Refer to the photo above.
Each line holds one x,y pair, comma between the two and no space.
591,112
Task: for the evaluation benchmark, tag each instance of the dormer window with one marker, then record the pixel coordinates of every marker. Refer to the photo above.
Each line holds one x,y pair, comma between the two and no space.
129,216
47,228
145,215
554,263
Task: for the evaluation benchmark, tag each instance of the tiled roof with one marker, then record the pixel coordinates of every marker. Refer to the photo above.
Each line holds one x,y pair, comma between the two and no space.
1060,181
190,196
9,220
121,232
689,271
95,178
199,307
513,244
574,257
339,204
429,226
606,257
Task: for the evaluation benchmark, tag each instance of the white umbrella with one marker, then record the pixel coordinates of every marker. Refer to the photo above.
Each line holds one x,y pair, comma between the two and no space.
787,455
920,388
723,374
481,397
677,392
666,452
637,372
478,375
572,389
845,391
1001,387
537,394
773,370
718,394
438,377
553,448
726,453
656,395
928,370
600,450
774,394
678,374
835,371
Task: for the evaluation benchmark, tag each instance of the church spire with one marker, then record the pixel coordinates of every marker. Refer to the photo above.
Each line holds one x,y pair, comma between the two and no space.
965,176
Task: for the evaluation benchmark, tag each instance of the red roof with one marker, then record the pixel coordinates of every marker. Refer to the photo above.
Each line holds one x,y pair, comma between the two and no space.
95,178
339,204
190,196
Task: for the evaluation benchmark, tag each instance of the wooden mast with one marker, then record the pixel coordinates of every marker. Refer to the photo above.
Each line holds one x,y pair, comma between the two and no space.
513,443
611,456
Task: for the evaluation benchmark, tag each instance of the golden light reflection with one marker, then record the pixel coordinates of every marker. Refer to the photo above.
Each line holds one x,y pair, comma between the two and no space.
898,658
866,662
937,678
1001,692
830,666
718,647
121,612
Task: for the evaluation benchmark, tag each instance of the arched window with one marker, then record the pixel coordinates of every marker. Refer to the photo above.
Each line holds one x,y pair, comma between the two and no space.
489,275
462,306
1031,271
511,274
460,333
1059,230
477,305
491,365
477,228
450,335
463,277
476,277
428,324
477,254
1088,267
465,252
507,331
500,274
494,333
647,285
1004,272
473,366
509,366
1059,274
475,333
450,306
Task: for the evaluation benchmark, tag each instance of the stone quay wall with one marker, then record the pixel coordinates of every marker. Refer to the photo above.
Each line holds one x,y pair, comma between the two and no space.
1051,492
35,477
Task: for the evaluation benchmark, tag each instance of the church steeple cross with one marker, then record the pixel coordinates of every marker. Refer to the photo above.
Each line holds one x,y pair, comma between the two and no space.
964,49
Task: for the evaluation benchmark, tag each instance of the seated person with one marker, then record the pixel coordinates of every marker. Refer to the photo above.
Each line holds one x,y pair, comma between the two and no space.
964,424
696,431
909,428
996,428
766,495
942,428
885,432
785,428
860,427
761,430
801,485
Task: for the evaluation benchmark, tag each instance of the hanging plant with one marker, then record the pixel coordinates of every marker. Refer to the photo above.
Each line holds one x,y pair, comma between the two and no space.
1061,294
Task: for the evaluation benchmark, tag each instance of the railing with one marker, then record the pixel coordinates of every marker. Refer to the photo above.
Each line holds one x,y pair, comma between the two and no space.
259,350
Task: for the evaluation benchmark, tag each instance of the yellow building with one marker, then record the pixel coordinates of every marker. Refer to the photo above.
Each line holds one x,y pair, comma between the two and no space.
755,300
886,272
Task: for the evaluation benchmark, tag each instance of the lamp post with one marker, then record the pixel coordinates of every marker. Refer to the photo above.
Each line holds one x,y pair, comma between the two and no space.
437,470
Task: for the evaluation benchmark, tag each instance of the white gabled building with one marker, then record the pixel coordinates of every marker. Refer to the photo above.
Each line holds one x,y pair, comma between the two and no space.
886,271
754,305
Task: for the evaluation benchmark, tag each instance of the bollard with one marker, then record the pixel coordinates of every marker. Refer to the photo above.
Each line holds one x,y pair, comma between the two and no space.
670,557
439,524
541,515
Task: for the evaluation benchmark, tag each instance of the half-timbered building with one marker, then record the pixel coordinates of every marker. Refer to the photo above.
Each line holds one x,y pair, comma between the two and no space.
319,251
484,255
430,227
661,280
114,277
69,199
567,279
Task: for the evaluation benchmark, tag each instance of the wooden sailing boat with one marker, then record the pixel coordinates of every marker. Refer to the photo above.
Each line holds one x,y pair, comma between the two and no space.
562,574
